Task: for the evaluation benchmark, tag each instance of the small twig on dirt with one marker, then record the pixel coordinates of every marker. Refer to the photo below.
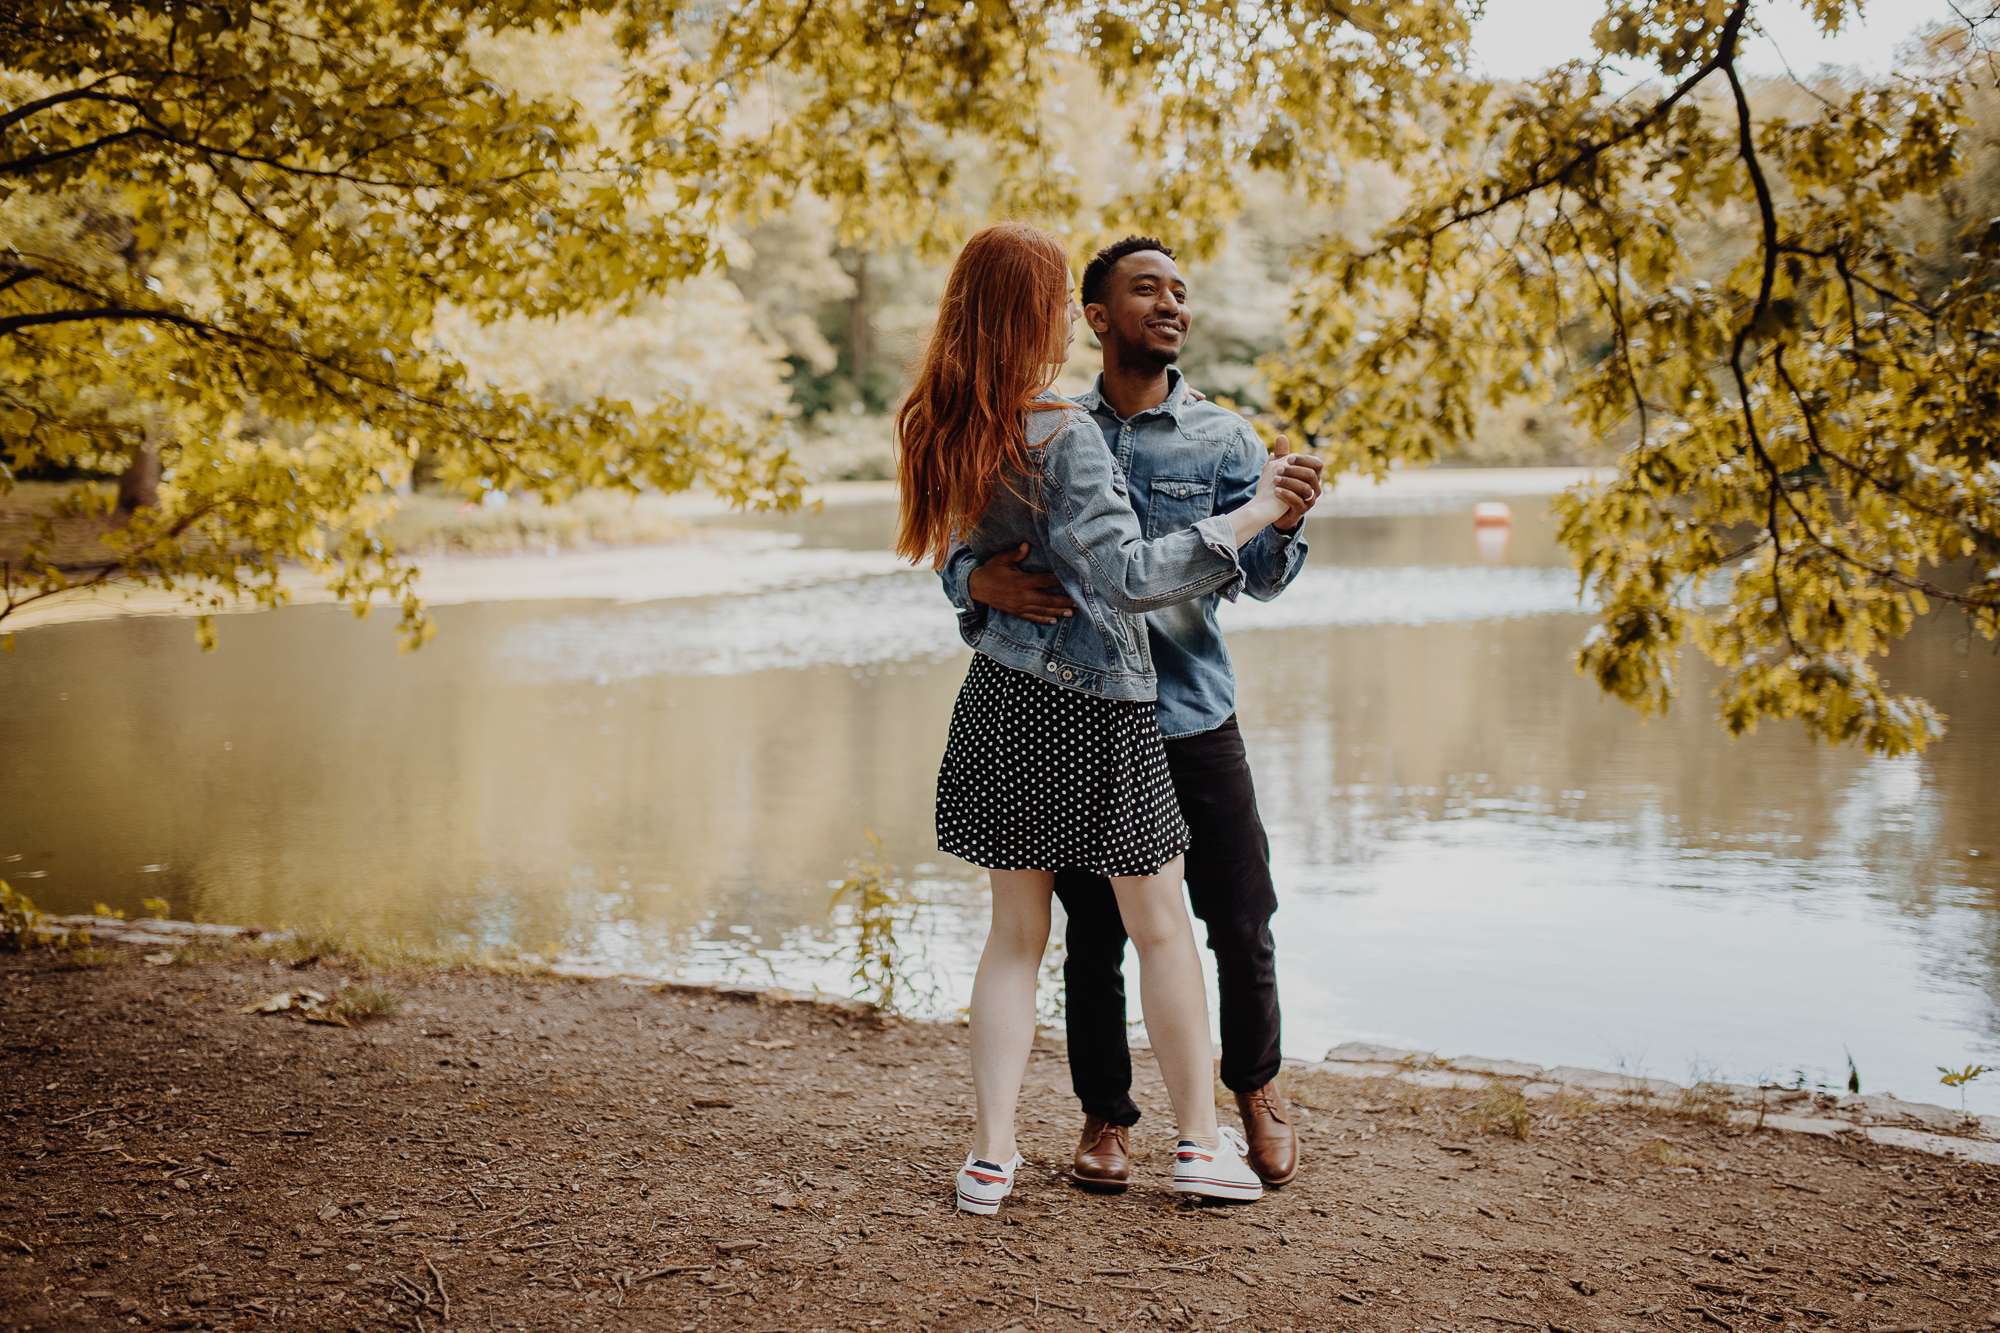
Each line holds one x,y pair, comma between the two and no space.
1503,1319
444,1298
95,1110
1010,1254
511,1226
1187,1265
416,1293
669,1271
1563,1161
539,1244
21,1245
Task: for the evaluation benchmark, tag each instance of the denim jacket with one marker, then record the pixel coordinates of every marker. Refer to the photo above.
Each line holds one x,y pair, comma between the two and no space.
1075,513
1183,461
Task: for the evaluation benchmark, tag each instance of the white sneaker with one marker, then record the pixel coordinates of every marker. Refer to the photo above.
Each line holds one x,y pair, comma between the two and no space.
1217,1173
982,1185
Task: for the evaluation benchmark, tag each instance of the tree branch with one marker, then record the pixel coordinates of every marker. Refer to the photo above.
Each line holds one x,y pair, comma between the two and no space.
87,93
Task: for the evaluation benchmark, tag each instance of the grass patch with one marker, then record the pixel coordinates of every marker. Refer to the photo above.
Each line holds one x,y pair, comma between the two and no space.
1301,1088
200,951
1668,1154
433,522
1503,1107
1703,1103
22,925
86,955
332,944
368,1000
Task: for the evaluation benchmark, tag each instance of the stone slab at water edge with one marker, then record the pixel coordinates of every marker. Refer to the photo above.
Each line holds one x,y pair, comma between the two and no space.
1919,1126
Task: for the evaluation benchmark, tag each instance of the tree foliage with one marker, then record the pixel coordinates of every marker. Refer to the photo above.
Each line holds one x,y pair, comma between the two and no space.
233,230
227,234
1809,461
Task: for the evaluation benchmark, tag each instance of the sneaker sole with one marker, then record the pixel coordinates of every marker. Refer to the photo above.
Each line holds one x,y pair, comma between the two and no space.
1220,1189
967,1204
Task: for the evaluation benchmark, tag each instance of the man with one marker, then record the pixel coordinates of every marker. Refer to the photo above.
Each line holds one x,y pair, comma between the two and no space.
1184,459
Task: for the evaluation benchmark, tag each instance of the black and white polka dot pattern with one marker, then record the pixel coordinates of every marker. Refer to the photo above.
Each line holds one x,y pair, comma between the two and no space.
1037,777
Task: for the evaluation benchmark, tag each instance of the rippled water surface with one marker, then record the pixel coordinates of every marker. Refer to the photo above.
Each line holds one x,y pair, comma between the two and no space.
1475,852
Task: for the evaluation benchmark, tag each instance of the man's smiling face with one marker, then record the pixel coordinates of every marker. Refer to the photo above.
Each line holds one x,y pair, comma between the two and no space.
1144,315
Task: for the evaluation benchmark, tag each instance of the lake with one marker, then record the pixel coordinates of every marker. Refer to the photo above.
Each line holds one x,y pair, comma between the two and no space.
1475,852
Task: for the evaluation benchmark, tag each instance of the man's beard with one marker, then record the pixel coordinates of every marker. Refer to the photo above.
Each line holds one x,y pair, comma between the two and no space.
1142,357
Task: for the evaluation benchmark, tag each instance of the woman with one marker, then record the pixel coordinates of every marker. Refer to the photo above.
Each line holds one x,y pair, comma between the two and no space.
1055,756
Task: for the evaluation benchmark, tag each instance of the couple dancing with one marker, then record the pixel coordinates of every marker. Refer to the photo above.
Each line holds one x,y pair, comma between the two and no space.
1094,753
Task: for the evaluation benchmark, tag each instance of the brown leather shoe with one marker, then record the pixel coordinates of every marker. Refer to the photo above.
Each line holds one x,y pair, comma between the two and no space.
1267,1125
1103,1158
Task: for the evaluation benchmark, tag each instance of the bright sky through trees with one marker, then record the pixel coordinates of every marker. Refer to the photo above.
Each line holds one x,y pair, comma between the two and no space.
1518,38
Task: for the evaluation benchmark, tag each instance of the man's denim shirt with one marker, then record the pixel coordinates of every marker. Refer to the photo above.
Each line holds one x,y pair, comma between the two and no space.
1185,461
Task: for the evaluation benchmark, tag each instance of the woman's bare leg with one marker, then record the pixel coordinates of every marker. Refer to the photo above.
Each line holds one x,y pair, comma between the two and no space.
1003,1005
1173,990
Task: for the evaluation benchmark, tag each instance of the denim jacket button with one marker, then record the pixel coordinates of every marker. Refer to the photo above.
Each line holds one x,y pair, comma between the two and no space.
1052,666
1068,675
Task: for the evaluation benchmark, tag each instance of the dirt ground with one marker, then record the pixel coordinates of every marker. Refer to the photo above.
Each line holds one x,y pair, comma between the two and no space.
511,1153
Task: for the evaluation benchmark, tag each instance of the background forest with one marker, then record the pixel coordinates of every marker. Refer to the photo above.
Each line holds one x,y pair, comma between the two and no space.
798,323
801,324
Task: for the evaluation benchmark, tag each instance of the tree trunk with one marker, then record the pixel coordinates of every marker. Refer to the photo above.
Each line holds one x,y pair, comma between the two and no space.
139,483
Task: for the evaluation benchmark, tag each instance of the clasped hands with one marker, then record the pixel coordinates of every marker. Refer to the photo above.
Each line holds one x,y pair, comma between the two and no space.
1002,584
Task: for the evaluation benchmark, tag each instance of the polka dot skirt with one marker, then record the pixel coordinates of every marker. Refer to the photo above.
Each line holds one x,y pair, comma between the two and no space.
1037,777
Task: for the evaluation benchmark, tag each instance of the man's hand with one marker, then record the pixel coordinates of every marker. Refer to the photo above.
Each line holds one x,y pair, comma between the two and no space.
1000,584
1300,483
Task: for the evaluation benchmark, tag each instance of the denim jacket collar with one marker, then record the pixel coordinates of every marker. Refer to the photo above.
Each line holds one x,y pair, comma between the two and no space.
1092,399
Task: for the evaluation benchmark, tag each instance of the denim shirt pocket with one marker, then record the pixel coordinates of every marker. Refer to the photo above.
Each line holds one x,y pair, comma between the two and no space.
1178,503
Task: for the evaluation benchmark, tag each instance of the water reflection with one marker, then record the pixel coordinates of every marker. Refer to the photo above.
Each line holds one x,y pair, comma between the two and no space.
1476,852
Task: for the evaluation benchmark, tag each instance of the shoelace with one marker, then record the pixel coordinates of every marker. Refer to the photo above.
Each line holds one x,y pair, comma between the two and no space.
1263,1102
1113,1132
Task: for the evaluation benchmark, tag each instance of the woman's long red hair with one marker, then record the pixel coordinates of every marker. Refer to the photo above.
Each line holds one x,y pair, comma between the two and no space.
999,340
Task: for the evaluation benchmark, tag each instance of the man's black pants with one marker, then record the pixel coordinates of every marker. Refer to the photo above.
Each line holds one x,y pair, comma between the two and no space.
1229,886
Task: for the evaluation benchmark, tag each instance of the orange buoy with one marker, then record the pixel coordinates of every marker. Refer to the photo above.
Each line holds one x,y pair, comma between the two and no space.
1491,514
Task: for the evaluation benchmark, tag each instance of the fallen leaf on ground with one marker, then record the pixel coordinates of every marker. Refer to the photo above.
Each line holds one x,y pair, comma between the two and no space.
283,1000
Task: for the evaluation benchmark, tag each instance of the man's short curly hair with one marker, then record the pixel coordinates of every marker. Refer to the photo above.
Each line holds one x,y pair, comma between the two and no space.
1098,271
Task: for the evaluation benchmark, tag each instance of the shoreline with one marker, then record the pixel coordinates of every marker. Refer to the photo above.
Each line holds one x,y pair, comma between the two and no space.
716,561
502,1151
1922,1127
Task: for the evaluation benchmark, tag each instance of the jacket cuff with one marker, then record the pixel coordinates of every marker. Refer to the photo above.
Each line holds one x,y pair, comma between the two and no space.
961,577
1219,536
